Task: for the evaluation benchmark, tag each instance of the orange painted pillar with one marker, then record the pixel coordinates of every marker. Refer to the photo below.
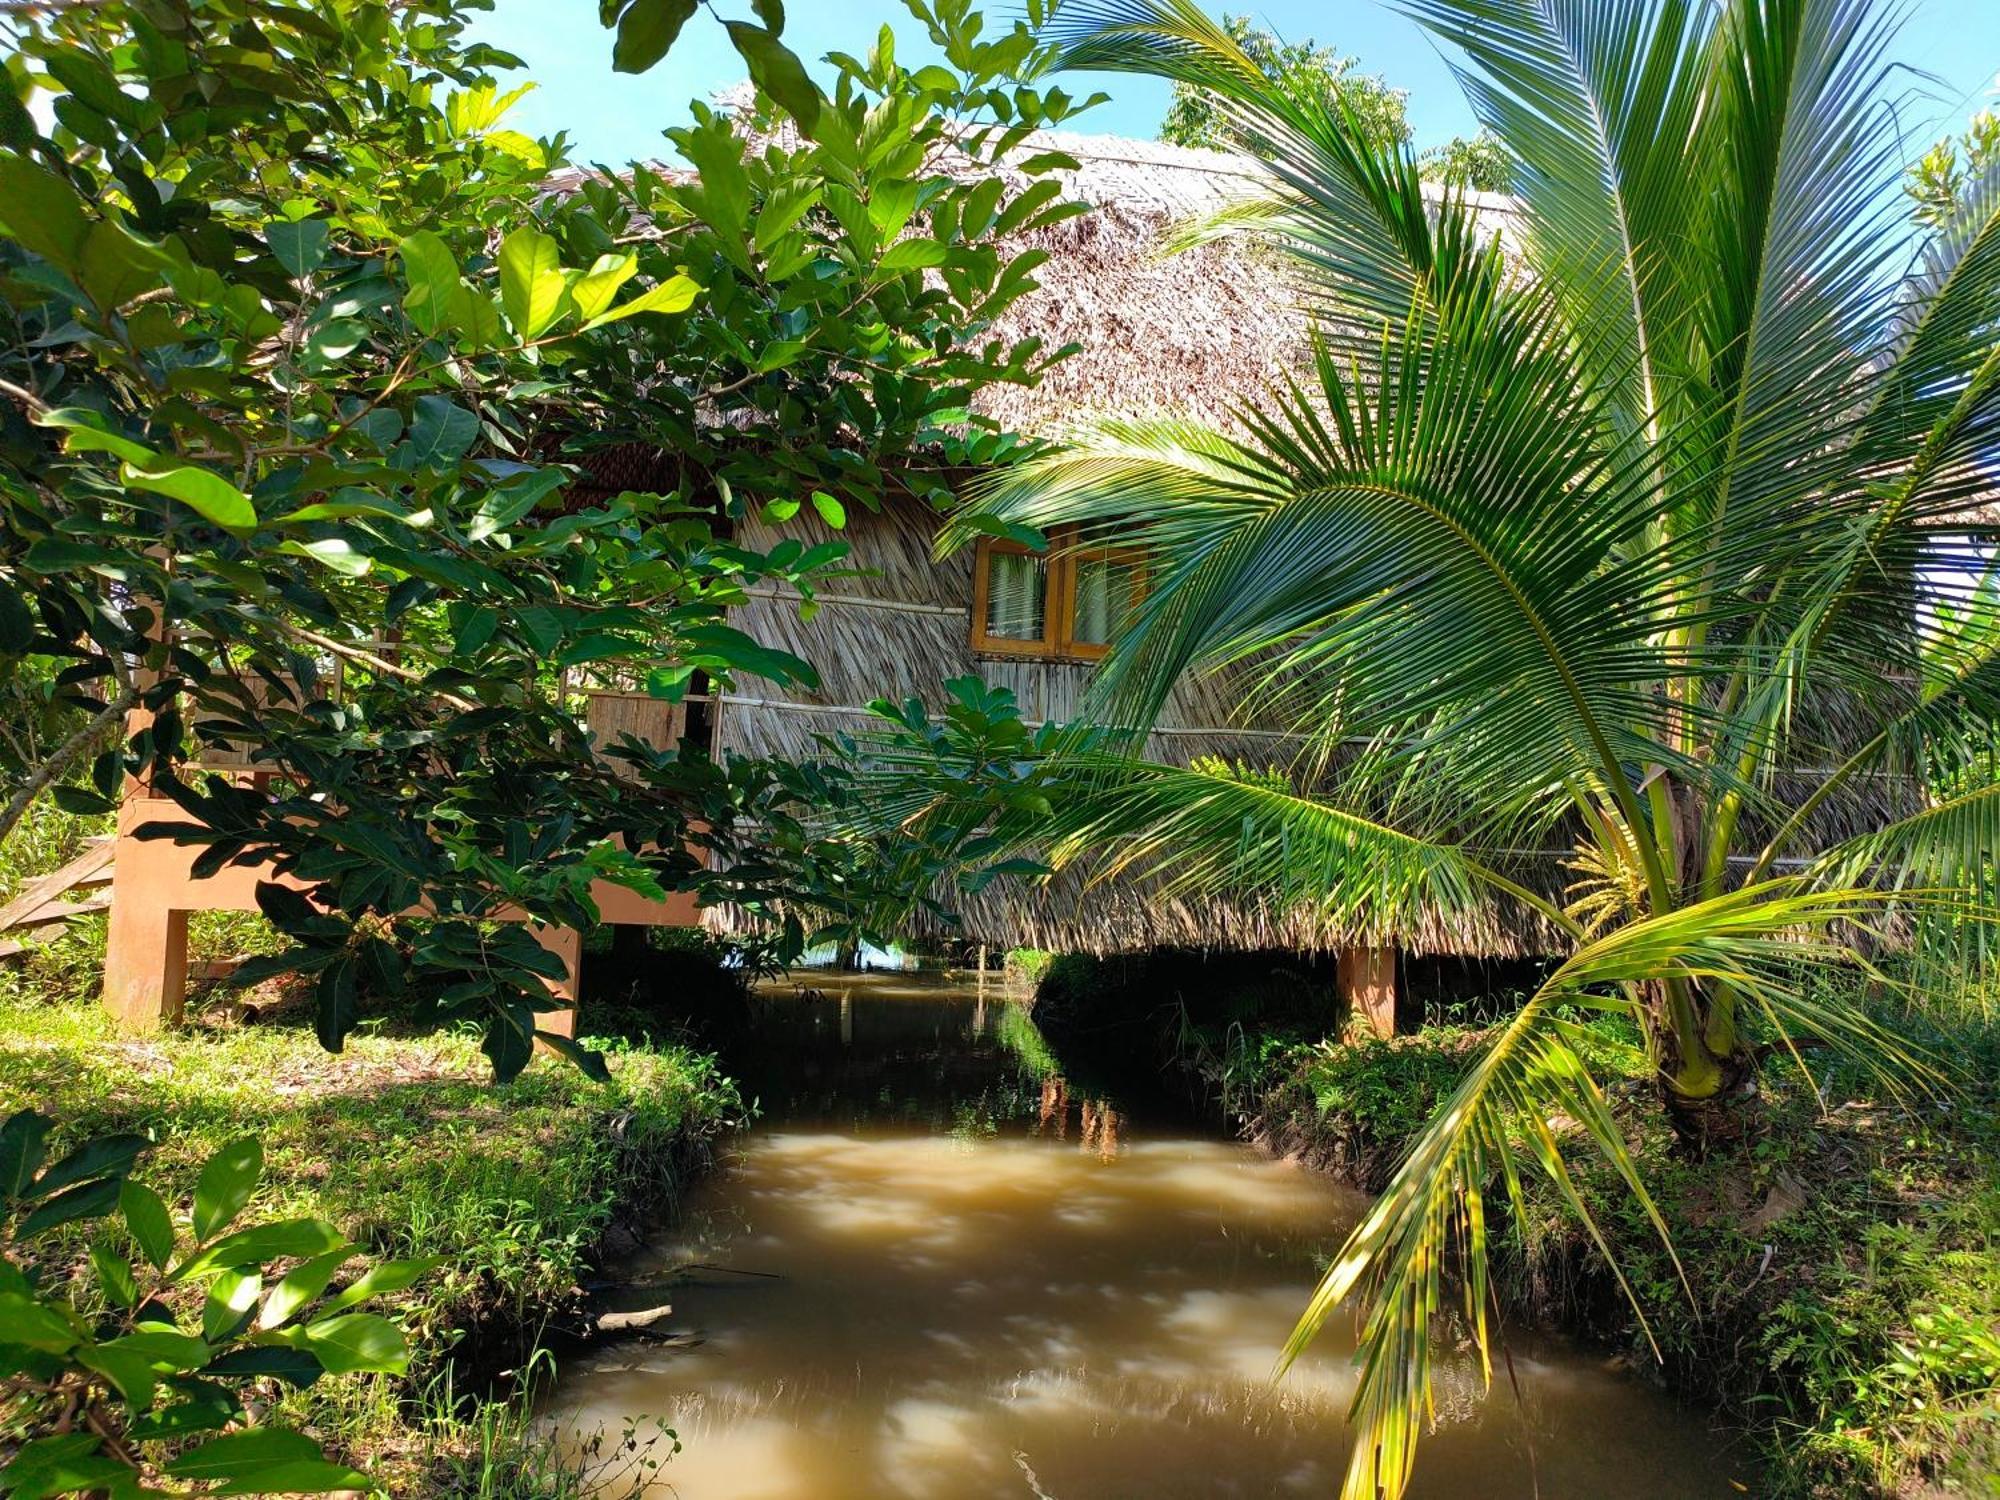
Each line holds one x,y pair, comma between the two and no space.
1367,978
566,943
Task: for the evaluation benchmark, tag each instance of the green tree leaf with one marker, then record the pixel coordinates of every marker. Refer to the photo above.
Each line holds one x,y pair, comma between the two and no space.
227,1180
88,1200
675,294
261,1243
102,1156
532,288
441,434
147,1219
22,1143
351,1342
203,491
42,211
265,1461
300,245
647,31
911,255
776,69
299,1286
435,290
597,286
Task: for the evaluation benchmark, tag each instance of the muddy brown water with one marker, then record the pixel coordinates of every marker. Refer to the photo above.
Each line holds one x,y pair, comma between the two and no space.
975,1278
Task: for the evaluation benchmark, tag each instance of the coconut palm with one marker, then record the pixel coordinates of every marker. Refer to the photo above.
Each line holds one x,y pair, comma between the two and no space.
1650,525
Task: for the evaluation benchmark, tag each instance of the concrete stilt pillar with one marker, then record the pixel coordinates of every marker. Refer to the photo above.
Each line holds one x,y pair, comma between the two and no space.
566,943
1367,978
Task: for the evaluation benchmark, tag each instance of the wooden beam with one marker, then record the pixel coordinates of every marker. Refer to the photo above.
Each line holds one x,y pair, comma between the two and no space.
83,870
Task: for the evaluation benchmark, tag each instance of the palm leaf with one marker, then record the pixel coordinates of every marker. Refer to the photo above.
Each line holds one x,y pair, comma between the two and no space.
1433,1220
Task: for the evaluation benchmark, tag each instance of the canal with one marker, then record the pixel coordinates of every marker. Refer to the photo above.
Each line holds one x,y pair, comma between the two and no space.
936,1267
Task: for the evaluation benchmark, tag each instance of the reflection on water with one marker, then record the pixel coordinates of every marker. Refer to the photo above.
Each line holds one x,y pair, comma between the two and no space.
973,1277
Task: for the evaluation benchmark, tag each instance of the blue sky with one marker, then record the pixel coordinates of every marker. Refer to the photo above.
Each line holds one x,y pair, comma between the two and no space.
614,118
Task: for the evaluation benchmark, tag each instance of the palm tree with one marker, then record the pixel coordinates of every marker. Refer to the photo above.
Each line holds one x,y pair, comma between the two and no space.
1650,526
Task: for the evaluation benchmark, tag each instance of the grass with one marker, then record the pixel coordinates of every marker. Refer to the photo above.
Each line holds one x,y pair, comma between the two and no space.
1845,1269
404,1142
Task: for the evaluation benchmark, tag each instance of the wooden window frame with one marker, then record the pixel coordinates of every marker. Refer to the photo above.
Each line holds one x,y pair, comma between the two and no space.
1057,641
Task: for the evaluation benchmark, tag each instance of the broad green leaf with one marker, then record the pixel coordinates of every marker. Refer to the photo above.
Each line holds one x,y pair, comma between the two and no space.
786,204
117,265
379,1280
532,287
673,295
830,510
333,341
35,1326
147,1219
89,1200
62,1465
333,552
779,353
227,1180
299,1286
130,1372
81,801
339,1003
910,255
646,31
432,274
22,1143
17,630
84,432
441,434
232,1296
105,1156
42,211
299,245
203,491
597,286
350,1342
300,1367
265,1461
592,1063
287,1239
114,1275
776,69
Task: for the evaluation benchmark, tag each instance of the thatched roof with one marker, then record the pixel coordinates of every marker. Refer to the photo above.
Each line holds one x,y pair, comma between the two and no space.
1187,334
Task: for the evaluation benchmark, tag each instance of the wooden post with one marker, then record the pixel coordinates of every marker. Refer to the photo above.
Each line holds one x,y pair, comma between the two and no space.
145,949
1367,978
566,943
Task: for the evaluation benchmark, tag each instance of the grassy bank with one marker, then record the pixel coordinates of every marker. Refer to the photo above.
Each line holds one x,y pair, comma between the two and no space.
405,1144
1845,1271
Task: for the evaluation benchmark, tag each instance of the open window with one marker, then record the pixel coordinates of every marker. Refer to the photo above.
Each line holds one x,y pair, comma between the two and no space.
1069,602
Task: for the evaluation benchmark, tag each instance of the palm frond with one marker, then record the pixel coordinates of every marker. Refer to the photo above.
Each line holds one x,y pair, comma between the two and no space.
1212,832
1374,246
1599,104
1432,1224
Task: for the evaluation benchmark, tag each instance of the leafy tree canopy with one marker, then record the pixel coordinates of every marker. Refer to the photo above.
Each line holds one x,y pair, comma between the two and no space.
301,357
1943,176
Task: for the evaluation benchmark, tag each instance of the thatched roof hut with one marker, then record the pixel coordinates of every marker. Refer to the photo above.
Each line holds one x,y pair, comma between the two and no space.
1160,334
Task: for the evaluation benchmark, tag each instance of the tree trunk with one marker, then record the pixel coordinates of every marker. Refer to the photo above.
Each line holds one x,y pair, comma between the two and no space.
1709,1092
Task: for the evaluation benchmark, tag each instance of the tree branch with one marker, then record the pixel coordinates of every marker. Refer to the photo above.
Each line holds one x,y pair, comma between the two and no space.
125,700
